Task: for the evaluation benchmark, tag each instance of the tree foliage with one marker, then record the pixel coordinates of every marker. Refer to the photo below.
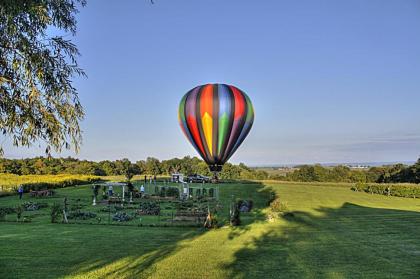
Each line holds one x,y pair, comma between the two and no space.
398,173
38,101
151,166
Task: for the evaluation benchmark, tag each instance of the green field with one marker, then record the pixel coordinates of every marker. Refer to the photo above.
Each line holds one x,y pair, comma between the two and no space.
333,233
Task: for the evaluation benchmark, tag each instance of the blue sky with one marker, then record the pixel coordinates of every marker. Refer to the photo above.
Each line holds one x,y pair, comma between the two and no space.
331,81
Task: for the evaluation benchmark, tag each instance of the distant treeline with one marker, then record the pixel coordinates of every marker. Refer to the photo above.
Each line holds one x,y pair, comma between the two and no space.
150,166
397,173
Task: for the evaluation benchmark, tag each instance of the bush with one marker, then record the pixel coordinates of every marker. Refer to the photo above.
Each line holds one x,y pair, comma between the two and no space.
172,192
235,219
162,192
149,208
211,193
32,206
245,205
7,210
121,217
56,212
279,206
19,210
273,196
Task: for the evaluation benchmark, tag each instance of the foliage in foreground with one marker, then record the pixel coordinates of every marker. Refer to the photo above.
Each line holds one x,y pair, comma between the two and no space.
38,99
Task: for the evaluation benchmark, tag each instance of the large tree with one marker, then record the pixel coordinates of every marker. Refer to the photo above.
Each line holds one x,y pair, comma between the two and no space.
38,101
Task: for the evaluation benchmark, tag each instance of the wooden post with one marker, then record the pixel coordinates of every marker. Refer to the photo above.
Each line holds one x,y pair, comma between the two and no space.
65,210
123,195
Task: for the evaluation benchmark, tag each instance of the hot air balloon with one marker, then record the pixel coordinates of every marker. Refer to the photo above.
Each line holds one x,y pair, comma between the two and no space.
216,118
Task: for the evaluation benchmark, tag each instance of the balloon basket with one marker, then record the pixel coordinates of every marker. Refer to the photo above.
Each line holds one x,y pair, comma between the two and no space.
215,179
215,169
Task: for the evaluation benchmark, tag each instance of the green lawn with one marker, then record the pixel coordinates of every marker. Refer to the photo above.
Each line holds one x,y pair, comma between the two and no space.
334,233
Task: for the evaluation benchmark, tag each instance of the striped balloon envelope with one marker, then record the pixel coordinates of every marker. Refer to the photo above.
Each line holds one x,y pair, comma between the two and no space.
216,118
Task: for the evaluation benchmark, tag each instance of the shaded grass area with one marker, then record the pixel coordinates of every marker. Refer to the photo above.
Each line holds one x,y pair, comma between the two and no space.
351,241
53,250
333,233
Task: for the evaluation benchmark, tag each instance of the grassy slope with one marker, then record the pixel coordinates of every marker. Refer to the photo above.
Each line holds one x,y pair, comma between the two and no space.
335,233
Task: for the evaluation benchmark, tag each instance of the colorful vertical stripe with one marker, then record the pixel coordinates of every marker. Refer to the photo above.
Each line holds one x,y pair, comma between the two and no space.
216,118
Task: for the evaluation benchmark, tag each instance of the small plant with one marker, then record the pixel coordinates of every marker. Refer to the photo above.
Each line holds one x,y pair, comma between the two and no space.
172,192
149,208
19,210
33,206
162,192
211,193
245,205
235,219
273,196
279,206
56,212
2,214
7,210
121,217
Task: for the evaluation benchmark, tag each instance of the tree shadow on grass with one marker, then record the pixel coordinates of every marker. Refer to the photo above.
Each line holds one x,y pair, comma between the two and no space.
349,242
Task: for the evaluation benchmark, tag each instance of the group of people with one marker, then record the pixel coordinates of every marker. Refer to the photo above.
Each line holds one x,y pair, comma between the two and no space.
152,179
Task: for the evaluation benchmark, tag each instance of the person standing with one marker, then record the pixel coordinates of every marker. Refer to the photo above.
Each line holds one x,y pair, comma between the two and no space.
145,179
142,191
20,191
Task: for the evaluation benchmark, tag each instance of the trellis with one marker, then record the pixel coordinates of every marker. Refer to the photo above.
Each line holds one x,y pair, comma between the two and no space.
186,190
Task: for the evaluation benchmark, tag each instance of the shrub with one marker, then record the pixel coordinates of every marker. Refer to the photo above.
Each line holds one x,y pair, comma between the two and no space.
235,219
211,193
56,212
2,214
32,206
245,205
121,217
149,208
7,210
162,192
279,206
172,192
19,210
273,196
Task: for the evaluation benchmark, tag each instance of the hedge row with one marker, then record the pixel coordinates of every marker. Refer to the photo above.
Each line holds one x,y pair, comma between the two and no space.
397,190
27,187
